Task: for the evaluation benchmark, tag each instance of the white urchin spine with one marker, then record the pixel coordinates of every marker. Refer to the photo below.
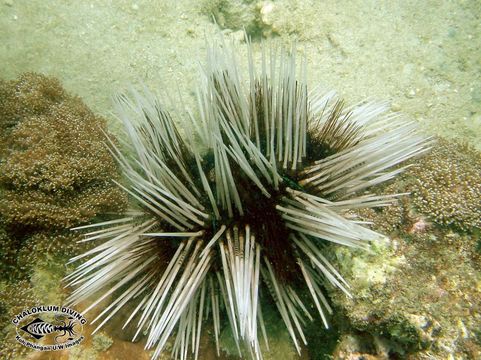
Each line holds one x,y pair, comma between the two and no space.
219,212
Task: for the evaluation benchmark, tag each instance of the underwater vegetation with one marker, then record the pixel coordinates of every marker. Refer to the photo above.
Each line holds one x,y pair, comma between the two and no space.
14,297
248,222
447,186
55,172
420,297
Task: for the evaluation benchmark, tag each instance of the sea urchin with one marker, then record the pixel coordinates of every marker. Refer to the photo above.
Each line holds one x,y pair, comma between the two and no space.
220,231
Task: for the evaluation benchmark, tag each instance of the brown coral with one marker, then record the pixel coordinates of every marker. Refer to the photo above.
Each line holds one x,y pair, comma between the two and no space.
32,94
13,299
56,171
50,247
8,255
447,185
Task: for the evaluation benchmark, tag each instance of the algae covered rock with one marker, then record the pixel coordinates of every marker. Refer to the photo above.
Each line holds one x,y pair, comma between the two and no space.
55,171
257,18
420,296
416,299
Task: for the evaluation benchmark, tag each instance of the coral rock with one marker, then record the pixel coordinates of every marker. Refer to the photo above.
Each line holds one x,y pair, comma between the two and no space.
56,171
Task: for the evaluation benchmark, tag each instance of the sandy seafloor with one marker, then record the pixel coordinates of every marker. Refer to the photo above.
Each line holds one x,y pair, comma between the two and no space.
422,56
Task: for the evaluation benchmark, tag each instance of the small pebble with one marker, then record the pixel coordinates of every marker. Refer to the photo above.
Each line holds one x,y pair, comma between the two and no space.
410,94
395,107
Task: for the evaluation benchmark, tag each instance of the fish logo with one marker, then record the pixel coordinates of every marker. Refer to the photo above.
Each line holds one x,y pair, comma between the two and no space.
39,328
61,333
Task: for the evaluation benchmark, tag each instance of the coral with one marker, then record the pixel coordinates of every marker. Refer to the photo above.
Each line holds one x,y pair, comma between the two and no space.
14,297
49,248
93,348
35,269
82,352
446,185
8,255
32,94
426,305
21,256
56,171
387,220
101,342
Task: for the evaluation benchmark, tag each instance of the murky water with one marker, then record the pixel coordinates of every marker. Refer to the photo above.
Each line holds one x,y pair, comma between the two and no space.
424,58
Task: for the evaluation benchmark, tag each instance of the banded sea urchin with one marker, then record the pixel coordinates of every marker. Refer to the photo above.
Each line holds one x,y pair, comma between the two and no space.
281,168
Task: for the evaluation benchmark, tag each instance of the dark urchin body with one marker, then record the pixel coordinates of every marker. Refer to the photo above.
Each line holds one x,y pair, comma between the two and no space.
281,169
